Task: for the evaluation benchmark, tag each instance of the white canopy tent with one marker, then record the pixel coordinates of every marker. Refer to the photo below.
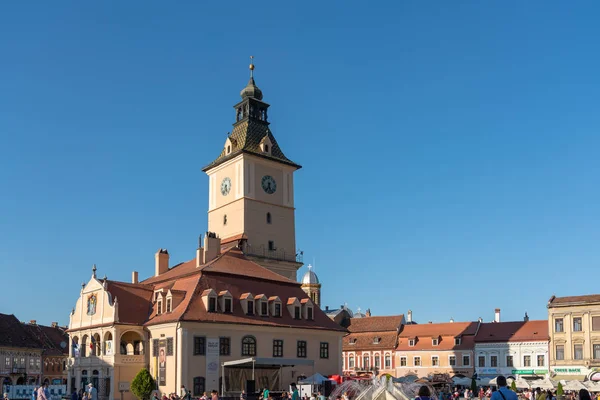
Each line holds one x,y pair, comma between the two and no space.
542,384
573,385
522,384
461,381
263,362
592,386
316,379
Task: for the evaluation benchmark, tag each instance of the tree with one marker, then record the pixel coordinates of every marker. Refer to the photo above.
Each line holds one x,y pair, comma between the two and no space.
513,386
143,385
473,385
559,391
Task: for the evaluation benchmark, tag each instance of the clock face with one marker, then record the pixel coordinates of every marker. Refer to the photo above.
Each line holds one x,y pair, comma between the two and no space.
268,184
225,186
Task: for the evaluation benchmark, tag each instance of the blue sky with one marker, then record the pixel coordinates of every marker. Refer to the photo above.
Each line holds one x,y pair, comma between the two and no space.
450,149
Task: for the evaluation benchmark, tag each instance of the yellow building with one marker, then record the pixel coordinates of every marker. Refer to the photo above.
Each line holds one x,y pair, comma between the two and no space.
233,317
574,326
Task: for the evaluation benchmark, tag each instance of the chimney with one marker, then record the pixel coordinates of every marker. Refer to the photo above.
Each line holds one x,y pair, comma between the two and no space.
212,246
55,324
134,277
33,322
199,253
409,317
161,262
526,318
497,315
368,313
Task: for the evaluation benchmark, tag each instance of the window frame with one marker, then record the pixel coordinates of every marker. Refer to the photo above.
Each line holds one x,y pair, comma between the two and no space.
538,360
575,346
596,351
577,324
510,363
403,361
457,341
435,342
527,360
250,307
411,342
387,361
297,312
264,308
435,361
278,348
415,364
452,361
466,357
197,385
301,349
561,352
224,346
479,363
324,350
212,304
557,324
249,348
199,346
227,300
351,361
494,361
310,315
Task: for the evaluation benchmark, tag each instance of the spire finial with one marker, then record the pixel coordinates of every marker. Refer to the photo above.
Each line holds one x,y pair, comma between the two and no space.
309,267
200,241
251,67
94,271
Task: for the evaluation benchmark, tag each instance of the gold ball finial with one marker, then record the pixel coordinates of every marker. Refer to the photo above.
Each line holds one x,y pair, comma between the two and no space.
251,67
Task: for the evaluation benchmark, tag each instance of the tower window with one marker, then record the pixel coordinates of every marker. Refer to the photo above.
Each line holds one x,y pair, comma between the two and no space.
228,149
268,218
225,219
266,148
271,245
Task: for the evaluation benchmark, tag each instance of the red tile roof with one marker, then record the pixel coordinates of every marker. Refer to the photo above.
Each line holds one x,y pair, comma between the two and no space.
445,332
376,324
54,340
135,301
365,341
520,331
573,300
232,272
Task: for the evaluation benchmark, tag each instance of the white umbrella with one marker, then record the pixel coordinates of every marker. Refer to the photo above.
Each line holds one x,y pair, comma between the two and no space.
543,384
522,384
573,385
592,386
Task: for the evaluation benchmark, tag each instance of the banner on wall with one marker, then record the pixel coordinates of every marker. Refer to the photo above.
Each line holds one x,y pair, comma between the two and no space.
162,362
212,364
109,347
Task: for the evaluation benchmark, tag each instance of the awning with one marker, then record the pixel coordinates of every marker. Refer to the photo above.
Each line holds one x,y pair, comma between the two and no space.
260,362
569,378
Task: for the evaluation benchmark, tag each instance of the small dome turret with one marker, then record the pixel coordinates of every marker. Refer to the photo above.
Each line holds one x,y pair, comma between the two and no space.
310,278
251,90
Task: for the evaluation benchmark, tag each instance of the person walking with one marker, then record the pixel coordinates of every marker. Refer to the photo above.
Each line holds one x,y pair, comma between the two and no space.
503,392
41,392
92,392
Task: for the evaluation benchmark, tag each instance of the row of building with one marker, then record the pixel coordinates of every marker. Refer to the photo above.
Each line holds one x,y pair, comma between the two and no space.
32,354
565,346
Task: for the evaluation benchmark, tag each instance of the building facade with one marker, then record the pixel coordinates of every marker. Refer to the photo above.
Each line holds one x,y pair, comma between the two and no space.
574,327
233,317
513,349
369,347
424,350
54,341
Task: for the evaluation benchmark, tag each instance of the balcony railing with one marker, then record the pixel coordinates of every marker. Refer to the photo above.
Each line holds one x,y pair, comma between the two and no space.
279,255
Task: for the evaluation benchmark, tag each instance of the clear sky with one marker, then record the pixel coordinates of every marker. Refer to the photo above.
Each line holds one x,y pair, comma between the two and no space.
450,148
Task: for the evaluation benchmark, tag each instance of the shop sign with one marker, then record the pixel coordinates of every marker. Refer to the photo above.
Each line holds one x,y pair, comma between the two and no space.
574,371
487,371
529,371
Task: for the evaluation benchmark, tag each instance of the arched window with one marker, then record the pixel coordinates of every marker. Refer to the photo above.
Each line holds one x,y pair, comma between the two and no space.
199,386
84,345
266,148
366,361
268,218
388,361
249,346
376,361
351,361
228,149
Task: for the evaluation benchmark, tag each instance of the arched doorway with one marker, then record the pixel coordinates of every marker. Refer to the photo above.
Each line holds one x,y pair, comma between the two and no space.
132,343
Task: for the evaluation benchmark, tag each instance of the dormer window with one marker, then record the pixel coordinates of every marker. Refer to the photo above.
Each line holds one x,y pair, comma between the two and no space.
376,340
264,311
277,310
309,314
265,145
411,342
250,306
435,342
209,298
297,312
226,302
159,306
353,341
247,303
169,305
212,304
266,148
228,149
457,341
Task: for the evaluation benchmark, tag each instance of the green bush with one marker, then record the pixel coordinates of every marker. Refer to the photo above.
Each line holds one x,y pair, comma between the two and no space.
559,390
143,385
513,386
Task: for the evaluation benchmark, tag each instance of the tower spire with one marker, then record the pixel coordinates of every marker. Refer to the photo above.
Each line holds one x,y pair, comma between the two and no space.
251,67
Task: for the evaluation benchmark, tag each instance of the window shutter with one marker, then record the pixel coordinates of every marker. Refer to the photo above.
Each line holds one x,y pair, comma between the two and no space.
154,347
170,346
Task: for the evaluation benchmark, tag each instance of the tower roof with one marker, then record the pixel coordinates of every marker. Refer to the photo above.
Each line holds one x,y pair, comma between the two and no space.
251,130
310,278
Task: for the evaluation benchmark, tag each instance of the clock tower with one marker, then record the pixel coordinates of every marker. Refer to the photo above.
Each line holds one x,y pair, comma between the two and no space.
251,189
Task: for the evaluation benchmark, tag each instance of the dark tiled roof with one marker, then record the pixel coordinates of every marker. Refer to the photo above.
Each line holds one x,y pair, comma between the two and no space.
519,331
55,340
573,300
376,324
366,341
246,137
14,334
